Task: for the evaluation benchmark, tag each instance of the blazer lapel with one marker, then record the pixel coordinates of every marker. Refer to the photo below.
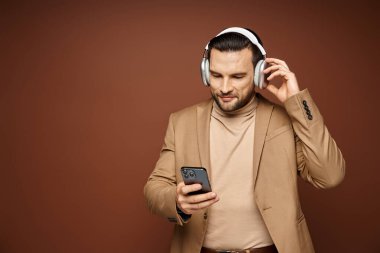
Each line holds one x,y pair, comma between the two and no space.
263,114
203,133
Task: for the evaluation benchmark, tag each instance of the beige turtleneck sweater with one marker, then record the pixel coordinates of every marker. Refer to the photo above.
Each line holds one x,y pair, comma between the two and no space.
234,221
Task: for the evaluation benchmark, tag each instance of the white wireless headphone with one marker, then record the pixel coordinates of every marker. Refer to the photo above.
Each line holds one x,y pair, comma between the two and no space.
258,78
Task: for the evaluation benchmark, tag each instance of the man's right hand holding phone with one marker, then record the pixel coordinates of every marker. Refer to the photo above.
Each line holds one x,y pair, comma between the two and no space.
189,204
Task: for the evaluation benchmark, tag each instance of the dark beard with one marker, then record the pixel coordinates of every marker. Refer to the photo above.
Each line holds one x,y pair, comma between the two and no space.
238,105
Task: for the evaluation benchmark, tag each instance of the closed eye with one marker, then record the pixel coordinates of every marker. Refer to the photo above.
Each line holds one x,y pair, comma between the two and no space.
216,75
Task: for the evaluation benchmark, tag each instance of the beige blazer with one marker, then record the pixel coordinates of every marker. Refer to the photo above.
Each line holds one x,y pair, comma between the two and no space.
289,141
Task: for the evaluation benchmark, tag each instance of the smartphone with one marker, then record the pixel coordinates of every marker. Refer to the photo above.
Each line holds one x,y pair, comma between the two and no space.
196,175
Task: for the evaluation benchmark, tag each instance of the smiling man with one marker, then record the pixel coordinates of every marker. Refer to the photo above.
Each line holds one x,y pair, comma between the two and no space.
232,77
253,151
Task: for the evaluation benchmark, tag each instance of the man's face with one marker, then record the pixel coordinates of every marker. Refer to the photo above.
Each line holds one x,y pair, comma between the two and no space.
231,78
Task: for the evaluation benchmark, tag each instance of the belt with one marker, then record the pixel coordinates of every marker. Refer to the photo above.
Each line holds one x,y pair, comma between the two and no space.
267,249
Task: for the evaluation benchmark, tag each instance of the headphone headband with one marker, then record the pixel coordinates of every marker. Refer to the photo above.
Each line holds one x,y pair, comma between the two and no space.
244,32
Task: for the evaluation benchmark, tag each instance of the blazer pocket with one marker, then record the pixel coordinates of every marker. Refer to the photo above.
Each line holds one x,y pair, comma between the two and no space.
278,131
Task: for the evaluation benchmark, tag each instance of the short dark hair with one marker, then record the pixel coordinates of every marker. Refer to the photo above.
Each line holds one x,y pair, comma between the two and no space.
233,41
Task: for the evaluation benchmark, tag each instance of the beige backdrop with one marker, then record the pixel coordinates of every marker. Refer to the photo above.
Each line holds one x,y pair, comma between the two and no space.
85,94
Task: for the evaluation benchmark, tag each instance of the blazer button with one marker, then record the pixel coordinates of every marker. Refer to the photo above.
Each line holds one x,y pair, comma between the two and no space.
310,117
304,102
205,216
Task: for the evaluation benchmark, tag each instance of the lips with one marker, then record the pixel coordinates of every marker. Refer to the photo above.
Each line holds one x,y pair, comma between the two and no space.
226,98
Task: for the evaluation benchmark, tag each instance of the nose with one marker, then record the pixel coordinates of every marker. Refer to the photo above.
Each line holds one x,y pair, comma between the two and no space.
226,86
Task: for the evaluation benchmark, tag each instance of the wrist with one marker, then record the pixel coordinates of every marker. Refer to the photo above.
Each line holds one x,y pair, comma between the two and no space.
184,216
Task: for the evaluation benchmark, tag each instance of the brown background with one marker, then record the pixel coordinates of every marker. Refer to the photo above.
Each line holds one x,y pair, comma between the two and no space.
87,88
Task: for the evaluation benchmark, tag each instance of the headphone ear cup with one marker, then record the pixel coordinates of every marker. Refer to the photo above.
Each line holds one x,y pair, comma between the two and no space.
205,71
259,77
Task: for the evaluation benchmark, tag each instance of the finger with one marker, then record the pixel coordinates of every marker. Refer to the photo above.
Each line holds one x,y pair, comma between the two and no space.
201,197
276,61
179,187
190,188
273,68
202,205
272,89
281,73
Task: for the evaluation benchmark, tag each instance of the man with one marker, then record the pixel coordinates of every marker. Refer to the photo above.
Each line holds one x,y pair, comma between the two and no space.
253,151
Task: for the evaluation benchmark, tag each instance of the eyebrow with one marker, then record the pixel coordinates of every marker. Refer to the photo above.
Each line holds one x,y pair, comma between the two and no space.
233,74
214,72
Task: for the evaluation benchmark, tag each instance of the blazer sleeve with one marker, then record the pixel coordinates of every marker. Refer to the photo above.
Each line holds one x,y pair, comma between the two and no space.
319,160
160,189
